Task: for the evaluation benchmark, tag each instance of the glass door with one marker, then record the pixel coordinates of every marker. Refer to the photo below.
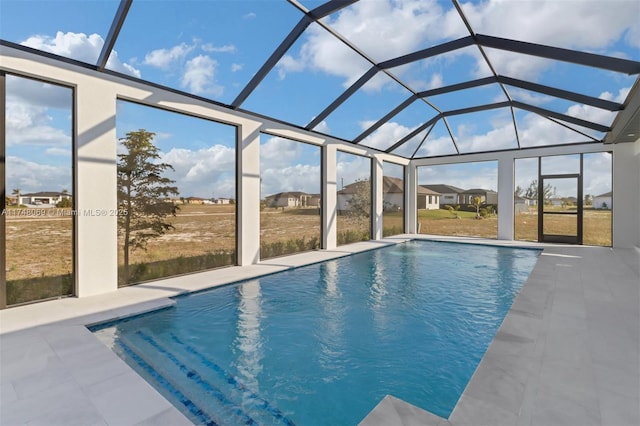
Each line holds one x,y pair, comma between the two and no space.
560,209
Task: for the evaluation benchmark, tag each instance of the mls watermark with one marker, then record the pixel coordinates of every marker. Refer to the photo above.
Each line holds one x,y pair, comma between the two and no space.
56,212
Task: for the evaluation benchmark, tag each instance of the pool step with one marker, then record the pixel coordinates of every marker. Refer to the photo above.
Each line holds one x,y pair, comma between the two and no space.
248,394
209,387
150,373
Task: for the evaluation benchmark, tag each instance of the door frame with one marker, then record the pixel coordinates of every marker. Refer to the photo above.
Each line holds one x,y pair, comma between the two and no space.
565,239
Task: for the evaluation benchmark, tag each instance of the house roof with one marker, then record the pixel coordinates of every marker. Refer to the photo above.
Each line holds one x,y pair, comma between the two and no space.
392,185
606,194
45,194
479,191
423,190
352,188
443,189
288,194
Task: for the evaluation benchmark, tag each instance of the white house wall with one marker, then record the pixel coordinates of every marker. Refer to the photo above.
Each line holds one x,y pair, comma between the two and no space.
626,195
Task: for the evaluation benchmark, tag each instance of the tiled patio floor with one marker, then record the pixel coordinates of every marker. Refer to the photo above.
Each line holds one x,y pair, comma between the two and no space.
566,354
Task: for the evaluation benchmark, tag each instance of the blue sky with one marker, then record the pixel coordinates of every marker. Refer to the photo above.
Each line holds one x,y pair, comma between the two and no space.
213,48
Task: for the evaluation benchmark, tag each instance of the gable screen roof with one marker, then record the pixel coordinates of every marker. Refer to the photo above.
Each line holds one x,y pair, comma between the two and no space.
413,78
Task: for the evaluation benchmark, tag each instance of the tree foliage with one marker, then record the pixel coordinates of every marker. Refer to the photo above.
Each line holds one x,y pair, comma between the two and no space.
532,191
360,202
142,193
477,203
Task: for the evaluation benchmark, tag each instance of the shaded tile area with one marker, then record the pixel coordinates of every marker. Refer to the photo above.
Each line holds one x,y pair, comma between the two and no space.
394,411
62,375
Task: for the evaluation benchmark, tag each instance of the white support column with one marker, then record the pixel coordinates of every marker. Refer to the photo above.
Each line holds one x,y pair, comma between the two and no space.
377,197
329,197
248,194
96,195
626,195
410,199
505,198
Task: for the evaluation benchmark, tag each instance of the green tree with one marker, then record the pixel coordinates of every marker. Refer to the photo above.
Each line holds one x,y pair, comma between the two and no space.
477,203
588,200
360,202
64,203
142,194
532,191
519,191
17,192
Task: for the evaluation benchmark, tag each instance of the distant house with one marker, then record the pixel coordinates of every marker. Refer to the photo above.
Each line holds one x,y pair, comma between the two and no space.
393,190
44,198
603,201
221,201
288,199
521,204
486,195
345,195
194,200
314,201
427,199
449,194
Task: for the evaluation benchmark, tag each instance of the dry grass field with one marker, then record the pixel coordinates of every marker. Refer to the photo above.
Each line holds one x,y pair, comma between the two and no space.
40,247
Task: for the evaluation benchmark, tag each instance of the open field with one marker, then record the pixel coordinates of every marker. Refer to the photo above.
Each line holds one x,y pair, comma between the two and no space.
40,248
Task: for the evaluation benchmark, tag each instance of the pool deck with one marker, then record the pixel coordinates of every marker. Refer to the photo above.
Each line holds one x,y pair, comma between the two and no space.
567,352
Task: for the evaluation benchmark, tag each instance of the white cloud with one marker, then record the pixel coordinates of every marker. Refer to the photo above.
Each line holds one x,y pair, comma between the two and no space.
236,67
350,168
227,48
465,175
388,134
59,152
279,152
79,46
165,58
199,76
31,125
386,29
250,15
581,25
206,172
322,127
568,24
525,96
30,176
296,177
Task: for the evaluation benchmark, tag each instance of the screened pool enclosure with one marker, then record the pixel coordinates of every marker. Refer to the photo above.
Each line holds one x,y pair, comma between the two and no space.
142,140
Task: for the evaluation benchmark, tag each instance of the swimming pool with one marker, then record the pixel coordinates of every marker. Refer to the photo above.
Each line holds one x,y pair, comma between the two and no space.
323,344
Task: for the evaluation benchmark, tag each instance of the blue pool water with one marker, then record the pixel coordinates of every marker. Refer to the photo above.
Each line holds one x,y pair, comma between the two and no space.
323,344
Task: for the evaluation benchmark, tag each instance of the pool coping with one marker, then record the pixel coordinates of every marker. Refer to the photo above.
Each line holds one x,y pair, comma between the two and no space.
60,328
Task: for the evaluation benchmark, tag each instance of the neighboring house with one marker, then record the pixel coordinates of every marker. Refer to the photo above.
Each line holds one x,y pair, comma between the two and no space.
521,204
449,194
556,202
221,201
603,201
427,199
194,200
288,199
43,198
314,201
393,190
486,195
346,194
